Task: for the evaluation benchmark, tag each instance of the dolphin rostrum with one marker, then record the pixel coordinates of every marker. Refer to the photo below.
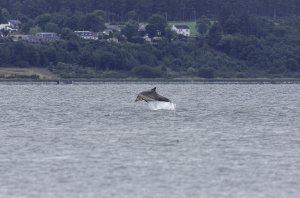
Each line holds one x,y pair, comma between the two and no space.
151,95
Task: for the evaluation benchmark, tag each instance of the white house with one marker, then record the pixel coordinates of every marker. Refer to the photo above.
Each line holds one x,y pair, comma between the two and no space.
89,35
182,30
147,38
114,27
41,37
11,26
113,40
47,36
108,32
7,27
142,27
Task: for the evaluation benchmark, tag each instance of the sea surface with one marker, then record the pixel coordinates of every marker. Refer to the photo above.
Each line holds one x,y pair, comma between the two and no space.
221,140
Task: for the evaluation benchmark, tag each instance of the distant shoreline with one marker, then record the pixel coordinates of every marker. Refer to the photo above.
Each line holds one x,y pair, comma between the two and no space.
158,80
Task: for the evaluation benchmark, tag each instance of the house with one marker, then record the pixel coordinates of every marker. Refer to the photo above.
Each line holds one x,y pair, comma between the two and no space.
182,30
42,37
142,27
88,35
11,26
147,38
4,26
47,36
7,27
14,23
108,32
113,40
114,27
19,37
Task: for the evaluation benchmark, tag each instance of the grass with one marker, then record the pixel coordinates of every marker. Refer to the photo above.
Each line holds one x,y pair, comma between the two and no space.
191,24
43,74
38,73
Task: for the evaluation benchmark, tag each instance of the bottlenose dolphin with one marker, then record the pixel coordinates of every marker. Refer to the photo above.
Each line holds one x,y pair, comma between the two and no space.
151,95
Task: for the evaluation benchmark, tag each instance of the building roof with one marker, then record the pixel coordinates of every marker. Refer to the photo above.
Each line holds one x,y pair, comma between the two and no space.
182,26
84,33
114,27
46,33
15,22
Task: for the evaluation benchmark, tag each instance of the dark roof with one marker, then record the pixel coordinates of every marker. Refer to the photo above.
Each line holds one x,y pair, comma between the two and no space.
15,22
182,27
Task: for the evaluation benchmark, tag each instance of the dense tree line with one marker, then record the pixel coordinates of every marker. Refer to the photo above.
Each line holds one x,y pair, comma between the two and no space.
122,10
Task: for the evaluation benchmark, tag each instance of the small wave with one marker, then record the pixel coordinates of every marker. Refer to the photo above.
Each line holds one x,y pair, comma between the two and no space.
162,106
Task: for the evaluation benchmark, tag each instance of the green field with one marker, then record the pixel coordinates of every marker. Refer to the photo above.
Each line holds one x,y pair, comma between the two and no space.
191,24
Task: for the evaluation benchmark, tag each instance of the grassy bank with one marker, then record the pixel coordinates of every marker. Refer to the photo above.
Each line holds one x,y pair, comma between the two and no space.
155,80
11,73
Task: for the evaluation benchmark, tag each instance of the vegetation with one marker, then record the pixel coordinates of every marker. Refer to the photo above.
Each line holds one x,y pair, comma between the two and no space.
30,73
236,39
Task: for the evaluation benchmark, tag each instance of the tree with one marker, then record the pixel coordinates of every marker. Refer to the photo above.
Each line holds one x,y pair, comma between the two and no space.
100,13
105,60
145,71
67,33
132,15
206,72
169,34
236,46
151,30
52,27
292,64
130,30
231,25
72,22
215,35
159,22
42,20
202,25
92,22
35,29
5,14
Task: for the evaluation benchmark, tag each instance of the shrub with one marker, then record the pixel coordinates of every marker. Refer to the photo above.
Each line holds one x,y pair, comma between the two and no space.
147,72
207,72
292,64
114,74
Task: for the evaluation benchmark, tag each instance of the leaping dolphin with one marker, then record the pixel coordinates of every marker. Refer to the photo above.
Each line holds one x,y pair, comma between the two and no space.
151,95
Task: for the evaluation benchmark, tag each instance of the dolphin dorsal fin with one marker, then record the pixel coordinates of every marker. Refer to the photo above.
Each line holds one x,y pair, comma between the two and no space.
154,89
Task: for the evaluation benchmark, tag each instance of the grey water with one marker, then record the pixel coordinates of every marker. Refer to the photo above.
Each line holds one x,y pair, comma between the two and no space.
223,140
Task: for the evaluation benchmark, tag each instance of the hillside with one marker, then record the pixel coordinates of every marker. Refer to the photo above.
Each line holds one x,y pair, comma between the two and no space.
236,39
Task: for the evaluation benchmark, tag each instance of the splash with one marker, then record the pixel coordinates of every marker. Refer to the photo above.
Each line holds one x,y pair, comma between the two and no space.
162,106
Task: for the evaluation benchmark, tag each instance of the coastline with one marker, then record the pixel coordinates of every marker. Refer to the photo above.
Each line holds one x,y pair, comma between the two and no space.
153,80
17,75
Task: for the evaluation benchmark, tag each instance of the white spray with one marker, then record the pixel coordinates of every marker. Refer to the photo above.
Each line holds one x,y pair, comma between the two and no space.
156,105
